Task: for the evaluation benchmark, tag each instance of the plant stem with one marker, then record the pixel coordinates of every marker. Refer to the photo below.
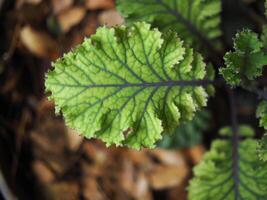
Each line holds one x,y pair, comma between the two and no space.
235,142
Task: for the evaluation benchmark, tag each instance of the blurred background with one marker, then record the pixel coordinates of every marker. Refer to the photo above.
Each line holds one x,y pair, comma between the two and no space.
41,158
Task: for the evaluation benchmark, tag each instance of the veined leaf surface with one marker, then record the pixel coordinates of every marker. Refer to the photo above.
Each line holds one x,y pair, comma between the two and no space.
214,177
196,21
125,85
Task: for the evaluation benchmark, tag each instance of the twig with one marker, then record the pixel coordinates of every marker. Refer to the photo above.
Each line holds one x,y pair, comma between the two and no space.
4,189
252,14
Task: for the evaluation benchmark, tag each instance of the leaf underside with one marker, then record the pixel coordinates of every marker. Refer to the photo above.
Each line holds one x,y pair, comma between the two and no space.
214,177
125,85
196,21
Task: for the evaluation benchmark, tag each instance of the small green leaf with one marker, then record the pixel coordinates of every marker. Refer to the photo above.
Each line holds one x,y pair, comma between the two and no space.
247,61
264,38
125,85
262,148
243,130
194,20
214,176
261,113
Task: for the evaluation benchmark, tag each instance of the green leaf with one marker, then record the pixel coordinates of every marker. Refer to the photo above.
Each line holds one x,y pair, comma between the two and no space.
264,38
243,130
262,148
247,61
261,113
125,85
215,179
187,134
196,21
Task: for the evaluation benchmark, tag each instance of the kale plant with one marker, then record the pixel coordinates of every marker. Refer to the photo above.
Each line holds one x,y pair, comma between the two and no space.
131,84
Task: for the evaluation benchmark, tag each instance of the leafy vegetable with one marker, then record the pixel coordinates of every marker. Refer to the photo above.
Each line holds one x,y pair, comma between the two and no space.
196,21
247,61
218,177
125,85
187,134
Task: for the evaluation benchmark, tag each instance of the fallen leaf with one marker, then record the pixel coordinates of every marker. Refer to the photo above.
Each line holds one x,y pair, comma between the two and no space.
38,43
110,18
70,18
99,4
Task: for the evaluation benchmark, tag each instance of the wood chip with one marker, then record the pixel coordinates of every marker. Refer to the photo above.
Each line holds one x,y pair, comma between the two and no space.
19,3
99,4
61,5
168,157
70,18
110,18
92,190
44,174
65,190
163,177
195,154
38,43
74,139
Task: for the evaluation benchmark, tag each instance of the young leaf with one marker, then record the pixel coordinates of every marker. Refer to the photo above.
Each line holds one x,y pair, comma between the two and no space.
214,177
261,113
125,85
247,61
196,21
